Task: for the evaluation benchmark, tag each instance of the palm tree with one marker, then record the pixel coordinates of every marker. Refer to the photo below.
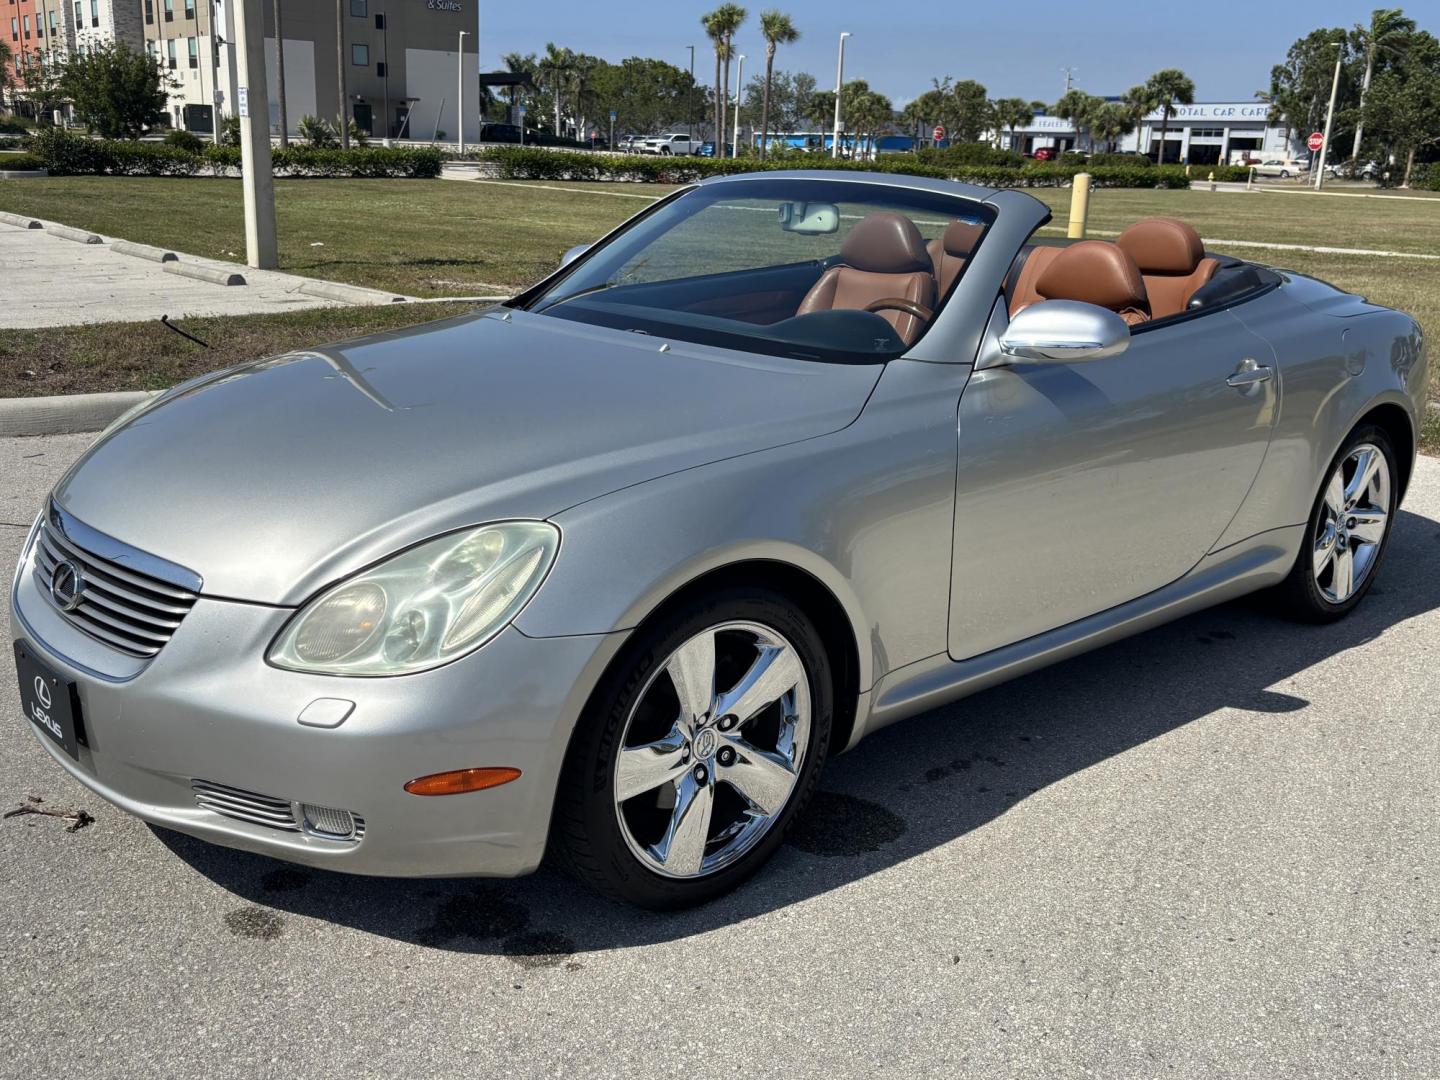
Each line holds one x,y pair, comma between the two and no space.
1011,113
1110,121
1077,107
280,78
729,17
1167,89
554,67
777,29
715,31
1387,31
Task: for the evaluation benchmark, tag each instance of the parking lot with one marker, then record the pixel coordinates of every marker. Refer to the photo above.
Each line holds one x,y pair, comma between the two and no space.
1208,851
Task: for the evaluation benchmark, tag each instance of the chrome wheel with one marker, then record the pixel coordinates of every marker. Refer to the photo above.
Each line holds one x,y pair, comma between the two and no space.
712,751
1353,515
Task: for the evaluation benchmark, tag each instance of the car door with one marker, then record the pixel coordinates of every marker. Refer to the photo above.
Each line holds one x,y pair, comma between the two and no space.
1081,486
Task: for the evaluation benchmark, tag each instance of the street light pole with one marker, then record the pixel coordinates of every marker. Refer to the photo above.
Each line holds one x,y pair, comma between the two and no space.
1330,114
461,114
739,82
839,81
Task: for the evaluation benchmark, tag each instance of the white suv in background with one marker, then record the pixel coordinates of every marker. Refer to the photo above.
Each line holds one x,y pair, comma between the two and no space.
1284,168
671,144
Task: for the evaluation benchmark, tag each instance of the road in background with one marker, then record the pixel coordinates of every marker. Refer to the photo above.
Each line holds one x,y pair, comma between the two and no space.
1207,851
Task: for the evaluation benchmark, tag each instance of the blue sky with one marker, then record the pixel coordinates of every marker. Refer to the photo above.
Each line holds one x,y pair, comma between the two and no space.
1015,49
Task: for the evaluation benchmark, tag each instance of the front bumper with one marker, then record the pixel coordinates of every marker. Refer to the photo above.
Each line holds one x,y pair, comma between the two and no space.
209,708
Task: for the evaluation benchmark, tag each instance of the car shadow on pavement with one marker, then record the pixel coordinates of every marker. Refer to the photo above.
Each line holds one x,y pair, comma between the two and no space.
905,791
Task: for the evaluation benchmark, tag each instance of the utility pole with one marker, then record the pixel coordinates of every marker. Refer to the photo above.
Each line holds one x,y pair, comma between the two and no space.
340,74
1069,78
839,81
460,111
253,105
1330,114
690,97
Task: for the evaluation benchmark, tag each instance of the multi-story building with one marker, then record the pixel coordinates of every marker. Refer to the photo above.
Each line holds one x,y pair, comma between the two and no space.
401,58
44,31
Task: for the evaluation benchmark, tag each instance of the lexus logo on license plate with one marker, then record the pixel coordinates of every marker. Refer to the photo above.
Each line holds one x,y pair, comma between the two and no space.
42,692
67,585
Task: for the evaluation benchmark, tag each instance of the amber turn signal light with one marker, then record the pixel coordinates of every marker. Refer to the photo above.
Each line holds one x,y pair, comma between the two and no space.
458,781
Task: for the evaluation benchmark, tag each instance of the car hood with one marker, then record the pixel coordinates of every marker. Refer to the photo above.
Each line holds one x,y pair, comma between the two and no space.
276,477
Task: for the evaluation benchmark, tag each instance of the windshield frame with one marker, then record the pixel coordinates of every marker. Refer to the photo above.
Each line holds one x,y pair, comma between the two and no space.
949,199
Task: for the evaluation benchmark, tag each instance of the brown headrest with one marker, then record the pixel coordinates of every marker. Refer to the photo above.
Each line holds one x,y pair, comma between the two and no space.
1094,272
960,237
885,243
1162,246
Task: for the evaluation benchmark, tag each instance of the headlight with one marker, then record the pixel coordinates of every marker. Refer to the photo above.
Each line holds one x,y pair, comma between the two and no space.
423,607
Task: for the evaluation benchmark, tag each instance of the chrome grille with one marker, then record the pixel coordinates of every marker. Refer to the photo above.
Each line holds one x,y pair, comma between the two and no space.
131,611
266,810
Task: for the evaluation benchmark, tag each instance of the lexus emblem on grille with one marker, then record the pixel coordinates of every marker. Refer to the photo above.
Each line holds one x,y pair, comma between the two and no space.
67,585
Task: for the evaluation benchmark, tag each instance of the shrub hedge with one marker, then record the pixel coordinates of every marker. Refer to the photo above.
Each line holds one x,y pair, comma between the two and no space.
969,154
66,154
517,163
20,163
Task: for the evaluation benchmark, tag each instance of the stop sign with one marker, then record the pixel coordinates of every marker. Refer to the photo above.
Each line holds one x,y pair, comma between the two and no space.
1315,141
938,133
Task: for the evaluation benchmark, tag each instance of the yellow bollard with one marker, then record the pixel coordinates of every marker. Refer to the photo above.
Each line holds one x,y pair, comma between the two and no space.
1250,179
1079,206
1212,181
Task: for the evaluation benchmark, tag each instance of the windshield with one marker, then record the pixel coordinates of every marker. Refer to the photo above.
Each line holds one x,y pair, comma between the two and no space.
837,271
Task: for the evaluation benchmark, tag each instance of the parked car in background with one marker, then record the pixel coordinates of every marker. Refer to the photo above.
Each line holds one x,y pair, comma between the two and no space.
674,143
615,566
707,149
1045,153
500,133
1284,168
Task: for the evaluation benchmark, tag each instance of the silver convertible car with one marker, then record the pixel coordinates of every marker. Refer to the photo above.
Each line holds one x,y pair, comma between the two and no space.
610,569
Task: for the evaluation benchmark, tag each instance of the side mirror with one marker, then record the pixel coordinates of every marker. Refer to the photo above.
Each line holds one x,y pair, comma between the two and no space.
1064,331
573,254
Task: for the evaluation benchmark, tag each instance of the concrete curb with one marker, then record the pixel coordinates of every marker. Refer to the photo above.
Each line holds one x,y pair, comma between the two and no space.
143,251
212,274
66,414
349,294
19,221
80,236
23,174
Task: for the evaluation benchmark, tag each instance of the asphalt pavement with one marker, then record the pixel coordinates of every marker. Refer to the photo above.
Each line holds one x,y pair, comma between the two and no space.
1210,851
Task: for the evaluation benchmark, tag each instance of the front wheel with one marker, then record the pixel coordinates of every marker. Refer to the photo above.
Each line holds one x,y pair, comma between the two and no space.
697,752
1348,532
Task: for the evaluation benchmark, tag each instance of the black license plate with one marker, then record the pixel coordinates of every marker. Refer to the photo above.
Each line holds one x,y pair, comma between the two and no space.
50,702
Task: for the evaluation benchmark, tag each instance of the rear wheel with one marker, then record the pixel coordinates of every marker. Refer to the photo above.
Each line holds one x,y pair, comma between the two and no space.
1348,531
696,755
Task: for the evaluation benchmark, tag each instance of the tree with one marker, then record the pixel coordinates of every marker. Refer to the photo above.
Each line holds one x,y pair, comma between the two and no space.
1300,87
777,29
1009,114
1403,106
1079,108
646,94
1388,31
727,18
968,110
790,95
1111,120
7,70
552,70
280,80
715,31
117,92
1167,89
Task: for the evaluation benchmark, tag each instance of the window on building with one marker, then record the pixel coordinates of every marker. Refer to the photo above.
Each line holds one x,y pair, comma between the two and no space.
170,54
380,70
14,29
1207,133
360,55
169,10
359,8
26,23
54,20
189,9
379,20
192,45
79,19
94,12
149,12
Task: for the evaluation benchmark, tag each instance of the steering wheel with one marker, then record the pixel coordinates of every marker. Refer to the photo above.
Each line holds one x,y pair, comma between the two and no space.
899,303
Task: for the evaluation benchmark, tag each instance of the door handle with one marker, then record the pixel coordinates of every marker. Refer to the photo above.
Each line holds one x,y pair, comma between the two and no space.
1249,373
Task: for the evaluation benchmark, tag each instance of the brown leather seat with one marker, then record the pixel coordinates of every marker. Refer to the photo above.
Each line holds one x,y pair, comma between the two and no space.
1171,257
950,251
1035,263
884,256
1092,272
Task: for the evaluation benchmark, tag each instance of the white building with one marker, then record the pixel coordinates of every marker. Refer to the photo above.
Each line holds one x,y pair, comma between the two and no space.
1203,134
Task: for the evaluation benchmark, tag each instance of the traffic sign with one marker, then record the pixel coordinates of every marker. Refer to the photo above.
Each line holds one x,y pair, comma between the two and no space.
938,133
612,116
1315,141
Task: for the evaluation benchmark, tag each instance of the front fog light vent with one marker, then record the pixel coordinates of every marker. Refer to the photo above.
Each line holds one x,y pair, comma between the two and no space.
328,821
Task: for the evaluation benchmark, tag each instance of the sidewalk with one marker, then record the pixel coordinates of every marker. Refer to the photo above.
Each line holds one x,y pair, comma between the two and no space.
46,280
